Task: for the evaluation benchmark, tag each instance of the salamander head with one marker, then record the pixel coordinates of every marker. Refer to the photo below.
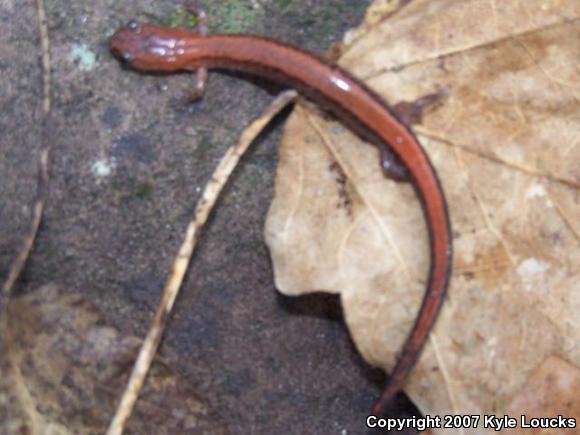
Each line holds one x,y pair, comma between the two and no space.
148,47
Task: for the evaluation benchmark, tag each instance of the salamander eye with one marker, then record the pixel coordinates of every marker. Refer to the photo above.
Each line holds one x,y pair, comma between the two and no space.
133,25
126,57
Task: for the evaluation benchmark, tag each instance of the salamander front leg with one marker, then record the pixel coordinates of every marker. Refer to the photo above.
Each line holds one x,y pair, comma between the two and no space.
202,29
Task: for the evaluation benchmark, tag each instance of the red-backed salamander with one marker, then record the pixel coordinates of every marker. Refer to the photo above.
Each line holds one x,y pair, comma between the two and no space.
148,47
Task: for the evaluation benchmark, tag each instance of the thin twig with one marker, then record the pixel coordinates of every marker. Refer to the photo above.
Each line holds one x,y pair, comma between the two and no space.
7,341
17,265
179,267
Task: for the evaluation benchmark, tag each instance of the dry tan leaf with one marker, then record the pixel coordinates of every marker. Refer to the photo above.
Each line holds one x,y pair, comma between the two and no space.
64,368
551,391
505,143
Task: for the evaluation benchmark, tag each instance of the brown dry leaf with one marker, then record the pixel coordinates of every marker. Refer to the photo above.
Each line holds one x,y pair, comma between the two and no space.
548,393
64,369
505,142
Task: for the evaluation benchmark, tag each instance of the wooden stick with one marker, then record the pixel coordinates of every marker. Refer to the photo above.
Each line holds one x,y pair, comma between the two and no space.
181,262
17,265
24,397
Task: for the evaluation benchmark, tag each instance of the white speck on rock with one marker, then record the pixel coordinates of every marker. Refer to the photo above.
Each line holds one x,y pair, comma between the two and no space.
83,57
102,168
